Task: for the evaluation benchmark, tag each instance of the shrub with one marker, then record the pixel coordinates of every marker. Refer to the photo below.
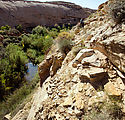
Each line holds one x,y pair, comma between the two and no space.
19,28
13,32
26,41
14,101
47,42
64,41
106,110
39,59
31,53
6,41
7,27
53,32
12,69
117,10
2,32
37,43
16,55
40,30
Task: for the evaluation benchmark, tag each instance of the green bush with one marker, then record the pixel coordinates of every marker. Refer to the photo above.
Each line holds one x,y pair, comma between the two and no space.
2,32
37,43
14,101
64,41
47,42
12,68
40,30
25,41
107,110
13,32
53,32
117,10
16,55
7,27
39,59
31,53
19,28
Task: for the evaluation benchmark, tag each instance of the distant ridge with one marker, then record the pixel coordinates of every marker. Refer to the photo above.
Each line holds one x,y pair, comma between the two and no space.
33,13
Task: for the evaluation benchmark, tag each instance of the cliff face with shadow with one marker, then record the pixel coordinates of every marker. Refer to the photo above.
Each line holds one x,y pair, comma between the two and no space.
30,14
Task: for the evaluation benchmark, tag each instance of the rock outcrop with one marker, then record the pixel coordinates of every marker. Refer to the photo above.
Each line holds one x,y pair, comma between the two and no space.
108,38
73,90
30,14
51,64
84,81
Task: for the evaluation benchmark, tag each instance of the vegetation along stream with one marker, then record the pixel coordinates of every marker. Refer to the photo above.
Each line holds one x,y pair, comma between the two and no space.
20,54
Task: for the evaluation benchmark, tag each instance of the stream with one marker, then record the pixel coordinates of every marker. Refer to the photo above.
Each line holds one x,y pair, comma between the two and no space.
31,72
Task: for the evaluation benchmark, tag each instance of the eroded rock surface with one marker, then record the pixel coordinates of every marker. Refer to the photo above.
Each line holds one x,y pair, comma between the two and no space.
88,78
30,14
50,65
73,90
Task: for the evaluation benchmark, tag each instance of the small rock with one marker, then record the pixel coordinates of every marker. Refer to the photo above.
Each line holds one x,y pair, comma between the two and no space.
61,109
88,92
7,117
97,74
84,53
75,79
79,101
68,102
111,90
75,63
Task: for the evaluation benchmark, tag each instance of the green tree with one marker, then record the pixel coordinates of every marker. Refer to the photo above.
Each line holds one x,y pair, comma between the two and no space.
12,68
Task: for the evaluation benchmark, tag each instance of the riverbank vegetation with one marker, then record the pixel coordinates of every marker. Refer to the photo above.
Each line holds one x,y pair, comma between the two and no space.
14,102
17,48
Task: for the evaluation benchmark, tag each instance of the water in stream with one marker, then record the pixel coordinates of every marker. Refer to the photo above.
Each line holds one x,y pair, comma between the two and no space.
31,72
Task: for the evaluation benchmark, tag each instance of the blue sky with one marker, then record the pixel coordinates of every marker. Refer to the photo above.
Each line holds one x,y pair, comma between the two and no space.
84,3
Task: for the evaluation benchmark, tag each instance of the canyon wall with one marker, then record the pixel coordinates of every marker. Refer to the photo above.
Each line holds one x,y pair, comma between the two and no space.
30,14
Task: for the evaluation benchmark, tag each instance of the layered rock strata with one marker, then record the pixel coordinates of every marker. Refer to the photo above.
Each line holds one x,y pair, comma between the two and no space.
30,14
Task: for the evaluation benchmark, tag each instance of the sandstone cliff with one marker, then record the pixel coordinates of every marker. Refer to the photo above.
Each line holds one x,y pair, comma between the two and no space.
30,14
72,83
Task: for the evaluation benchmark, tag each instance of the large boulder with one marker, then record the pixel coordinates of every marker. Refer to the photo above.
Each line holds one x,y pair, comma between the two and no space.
112,44
30,14
50,65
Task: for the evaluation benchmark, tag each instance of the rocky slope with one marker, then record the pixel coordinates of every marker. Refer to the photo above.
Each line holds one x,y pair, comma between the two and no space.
77,83
30,14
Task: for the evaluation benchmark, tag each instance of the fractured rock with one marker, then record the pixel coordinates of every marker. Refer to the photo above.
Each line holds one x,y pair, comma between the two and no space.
79,101
84,53
111,90
97,74
113,47
90,57
93,74
68,102
50,65
44,69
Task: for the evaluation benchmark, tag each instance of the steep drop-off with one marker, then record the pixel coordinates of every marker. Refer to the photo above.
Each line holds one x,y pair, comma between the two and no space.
75,85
